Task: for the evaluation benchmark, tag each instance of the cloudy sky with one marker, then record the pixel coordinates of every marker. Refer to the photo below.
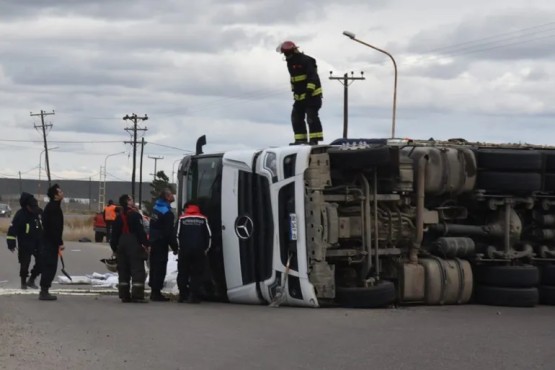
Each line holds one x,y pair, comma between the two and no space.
481,70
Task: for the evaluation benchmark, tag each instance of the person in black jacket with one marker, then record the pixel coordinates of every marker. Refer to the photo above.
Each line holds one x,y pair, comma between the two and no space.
307,93
194,239
26,231
131,247
53,225
162,235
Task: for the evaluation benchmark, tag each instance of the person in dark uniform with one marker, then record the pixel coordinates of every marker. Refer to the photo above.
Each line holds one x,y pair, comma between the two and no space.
26,231
162,235
307,93
52,245
194,239
131,247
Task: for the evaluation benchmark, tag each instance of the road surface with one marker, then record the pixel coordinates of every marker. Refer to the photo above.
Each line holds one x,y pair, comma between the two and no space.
99,332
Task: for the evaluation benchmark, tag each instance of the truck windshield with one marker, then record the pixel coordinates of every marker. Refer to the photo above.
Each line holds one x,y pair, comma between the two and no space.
204,180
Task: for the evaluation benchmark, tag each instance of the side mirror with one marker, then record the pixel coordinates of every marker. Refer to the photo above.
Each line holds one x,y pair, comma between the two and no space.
201,141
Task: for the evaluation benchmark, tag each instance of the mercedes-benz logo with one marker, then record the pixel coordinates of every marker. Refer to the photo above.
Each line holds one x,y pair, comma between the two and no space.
244,227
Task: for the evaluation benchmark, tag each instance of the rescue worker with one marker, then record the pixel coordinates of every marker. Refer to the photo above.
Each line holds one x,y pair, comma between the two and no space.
194,240
109,215
52,245
26,231
307,93
161,236
131,247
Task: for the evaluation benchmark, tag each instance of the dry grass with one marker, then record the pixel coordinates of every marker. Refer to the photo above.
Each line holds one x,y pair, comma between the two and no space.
75,228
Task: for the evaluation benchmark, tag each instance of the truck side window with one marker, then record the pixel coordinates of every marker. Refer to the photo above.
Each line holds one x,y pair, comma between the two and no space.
287,225
289,166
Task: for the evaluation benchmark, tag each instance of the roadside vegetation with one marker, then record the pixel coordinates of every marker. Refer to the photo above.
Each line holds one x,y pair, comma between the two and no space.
76,226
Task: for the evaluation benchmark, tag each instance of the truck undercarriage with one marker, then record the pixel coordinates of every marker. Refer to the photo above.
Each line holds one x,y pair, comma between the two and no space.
431,222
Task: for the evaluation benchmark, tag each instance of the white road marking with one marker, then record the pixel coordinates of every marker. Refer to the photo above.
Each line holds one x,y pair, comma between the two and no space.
76,250
83,292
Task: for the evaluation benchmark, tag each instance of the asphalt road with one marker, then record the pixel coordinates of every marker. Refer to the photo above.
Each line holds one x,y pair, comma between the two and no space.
99,332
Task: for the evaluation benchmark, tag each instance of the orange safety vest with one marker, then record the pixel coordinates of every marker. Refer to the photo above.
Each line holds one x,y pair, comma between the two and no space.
110,212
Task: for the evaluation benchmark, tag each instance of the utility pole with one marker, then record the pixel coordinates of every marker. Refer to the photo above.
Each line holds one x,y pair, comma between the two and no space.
134,118
155,161
20,184
44,126
141,175
346,81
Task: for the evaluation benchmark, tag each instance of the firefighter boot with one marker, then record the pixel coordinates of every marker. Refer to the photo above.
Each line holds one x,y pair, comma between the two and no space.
44,295
31,282
138,294
156,296
23,283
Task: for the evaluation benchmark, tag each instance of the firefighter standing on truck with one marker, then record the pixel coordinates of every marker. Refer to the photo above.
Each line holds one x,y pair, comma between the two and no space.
307,93
131,247
26,231
109,215
162,235
194,240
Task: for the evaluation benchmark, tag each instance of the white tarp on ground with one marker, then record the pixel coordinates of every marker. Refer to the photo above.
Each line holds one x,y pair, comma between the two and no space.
110,280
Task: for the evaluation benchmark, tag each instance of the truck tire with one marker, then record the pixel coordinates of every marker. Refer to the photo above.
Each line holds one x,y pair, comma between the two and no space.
509,159
547,295
509,182
548,275
510,297
381,295
360,158
549,159
98,237
526,276
549,182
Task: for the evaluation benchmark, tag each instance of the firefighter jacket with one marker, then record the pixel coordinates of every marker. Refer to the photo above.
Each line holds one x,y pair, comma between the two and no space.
128,221
162,225
110,212
53,223
193,231
305,81
26,226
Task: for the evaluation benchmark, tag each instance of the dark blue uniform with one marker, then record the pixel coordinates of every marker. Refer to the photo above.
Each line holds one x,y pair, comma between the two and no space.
194,240
26,231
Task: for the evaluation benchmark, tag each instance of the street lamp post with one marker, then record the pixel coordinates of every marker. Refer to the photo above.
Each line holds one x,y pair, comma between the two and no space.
102,192
352,37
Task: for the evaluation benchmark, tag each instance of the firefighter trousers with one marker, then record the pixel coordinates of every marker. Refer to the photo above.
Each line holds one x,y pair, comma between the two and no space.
190,272
24,255
131,268
48,263
309,109
158,265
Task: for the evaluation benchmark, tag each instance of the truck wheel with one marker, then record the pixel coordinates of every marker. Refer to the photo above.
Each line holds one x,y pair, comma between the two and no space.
549,182
98,237
509,159
380,295
548,275
510,297
549,159
526,276
547,295
504,182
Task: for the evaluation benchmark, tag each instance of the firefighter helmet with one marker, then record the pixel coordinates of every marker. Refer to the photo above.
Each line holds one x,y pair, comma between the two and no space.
287,47
110,263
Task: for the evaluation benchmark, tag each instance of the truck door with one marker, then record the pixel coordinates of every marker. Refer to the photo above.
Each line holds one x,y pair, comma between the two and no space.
239,228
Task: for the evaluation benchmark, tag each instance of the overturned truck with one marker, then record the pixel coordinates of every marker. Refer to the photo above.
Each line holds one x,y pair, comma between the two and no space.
369,223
